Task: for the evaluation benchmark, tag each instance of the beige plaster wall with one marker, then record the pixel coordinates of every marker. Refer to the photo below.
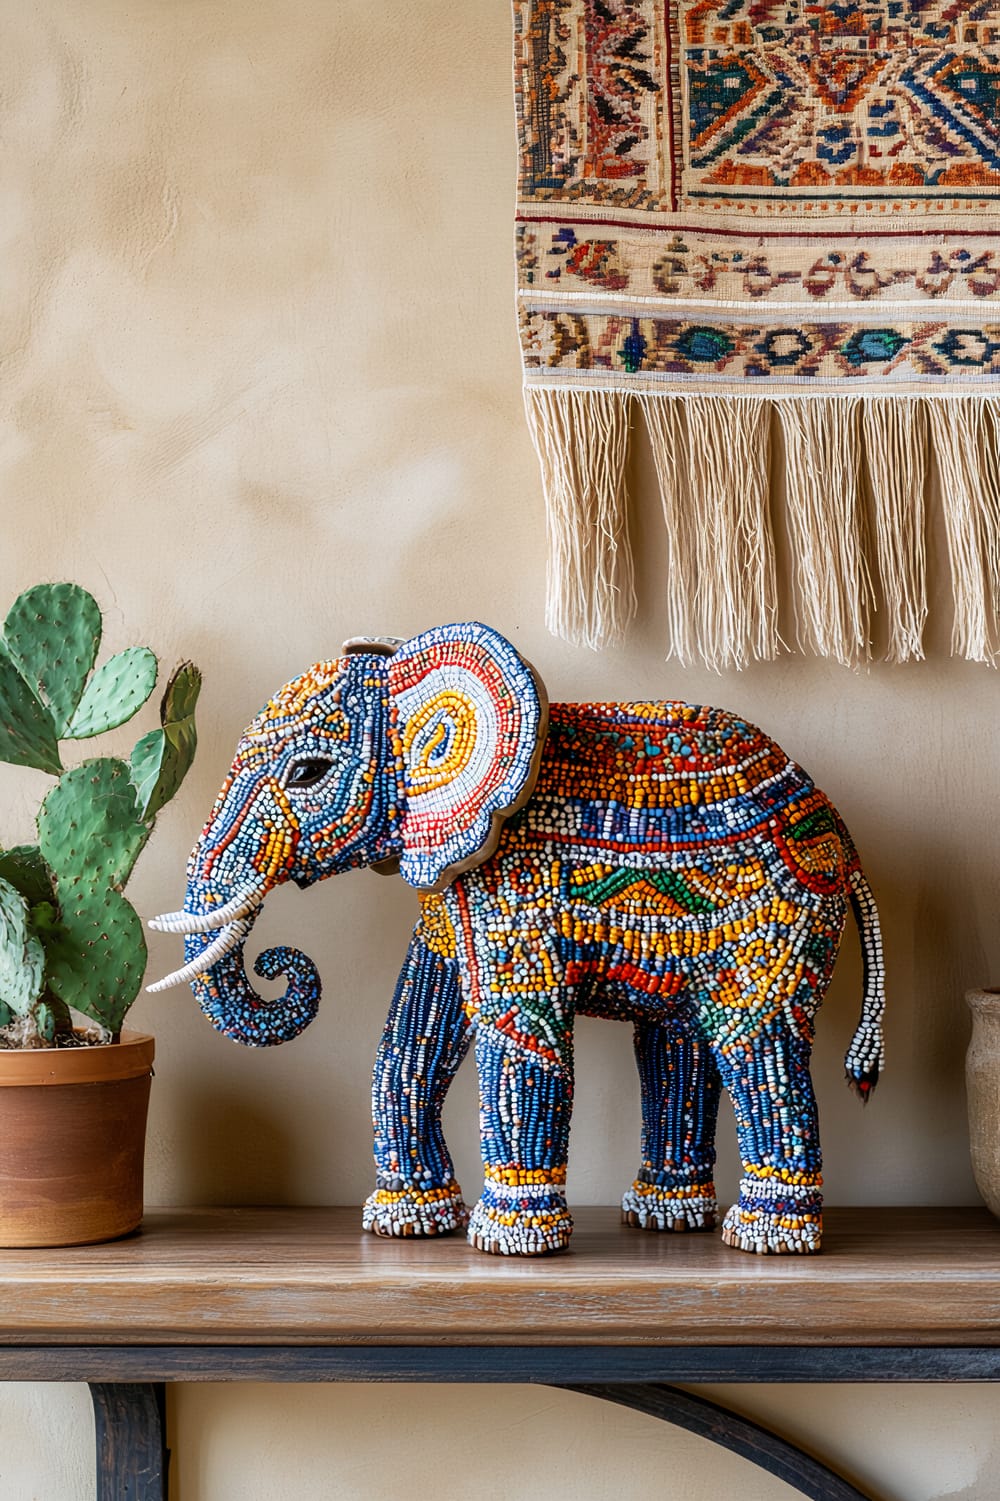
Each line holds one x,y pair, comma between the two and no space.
259,391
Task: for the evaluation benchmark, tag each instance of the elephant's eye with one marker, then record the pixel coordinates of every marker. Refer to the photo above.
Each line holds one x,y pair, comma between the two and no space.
308,772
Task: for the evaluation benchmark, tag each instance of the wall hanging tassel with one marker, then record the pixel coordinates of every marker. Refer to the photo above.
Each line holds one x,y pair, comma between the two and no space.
964,440
668,437
712,462
826,525
895,444
581,438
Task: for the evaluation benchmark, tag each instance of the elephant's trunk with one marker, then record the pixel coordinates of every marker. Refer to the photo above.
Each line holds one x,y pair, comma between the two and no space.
228,999
213,952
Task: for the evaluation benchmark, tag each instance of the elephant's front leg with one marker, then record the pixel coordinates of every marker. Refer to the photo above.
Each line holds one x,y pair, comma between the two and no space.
780,1203
425,1039
525,1057
680,1103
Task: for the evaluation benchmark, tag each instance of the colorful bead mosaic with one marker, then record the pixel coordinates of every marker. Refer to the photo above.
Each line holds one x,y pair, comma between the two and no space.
661,864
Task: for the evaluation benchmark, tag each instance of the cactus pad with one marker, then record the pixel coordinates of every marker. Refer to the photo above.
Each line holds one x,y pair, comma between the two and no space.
27,732
22,961
96,954
117,689
89,829
25,870
161,759
52,633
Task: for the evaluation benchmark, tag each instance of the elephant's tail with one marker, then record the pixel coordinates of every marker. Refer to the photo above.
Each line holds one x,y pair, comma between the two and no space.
866,1054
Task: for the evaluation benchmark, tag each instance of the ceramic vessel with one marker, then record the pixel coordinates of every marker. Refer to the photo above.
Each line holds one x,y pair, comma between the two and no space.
73,1131
982,1076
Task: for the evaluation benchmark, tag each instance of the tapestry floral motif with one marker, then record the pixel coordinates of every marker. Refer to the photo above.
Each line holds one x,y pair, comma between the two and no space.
885,96
684,348
690,264
618,77
588,77
760,153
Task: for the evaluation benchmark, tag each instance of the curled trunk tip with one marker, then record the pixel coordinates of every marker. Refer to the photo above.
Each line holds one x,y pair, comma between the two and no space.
234,1007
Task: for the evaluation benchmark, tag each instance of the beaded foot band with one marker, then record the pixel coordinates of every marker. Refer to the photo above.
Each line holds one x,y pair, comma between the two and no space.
780,1213
526,1221
650,1206
415,1211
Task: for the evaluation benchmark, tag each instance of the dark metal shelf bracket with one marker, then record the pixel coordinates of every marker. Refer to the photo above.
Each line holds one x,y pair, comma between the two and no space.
721,1426
131,1430
132,1457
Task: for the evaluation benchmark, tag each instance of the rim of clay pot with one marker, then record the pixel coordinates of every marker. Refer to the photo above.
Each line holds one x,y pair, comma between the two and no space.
986,999
100,1064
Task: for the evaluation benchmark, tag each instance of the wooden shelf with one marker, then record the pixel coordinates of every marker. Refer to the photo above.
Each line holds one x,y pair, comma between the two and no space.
295,1277
305,1295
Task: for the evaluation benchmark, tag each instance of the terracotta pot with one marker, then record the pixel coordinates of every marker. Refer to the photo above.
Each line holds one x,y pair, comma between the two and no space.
72,1136
982,1078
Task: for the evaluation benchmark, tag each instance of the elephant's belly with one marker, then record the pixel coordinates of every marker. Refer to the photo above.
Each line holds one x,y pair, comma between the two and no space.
733,967
615,1000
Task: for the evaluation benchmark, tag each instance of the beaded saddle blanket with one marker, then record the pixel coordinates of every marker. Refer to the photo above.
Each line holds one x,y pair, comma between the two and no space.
771,227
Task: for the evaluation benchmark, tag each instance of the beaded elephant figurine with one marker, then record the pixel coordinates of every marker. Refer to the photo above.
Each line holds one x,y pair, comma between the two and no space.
664,864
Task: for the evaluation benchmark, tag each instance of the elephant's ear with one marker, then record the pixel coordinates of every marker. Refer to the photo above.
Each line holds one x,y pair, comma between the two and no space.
471,718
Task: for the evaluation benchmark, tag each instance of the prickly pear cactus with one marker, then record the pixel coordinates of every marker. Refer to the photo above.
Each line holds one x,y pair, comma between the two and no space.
115,692
52,634
95,954
161,759
27,733
89,829
22,959
69,940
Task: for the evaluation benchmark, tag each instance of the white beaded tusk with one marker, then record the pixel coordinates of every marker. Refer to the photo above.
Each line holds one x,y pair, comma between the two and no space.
241,905
227,940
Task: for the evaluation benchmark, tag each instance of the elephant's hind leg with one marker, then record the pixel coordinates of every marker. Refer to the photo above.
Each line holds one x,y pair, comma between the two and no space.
680,1086
780,1203
425,1039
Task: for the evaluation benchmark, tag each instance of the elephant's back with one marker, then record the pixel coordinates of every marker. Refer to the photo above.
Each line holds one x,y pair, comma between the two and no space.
672,738
642,778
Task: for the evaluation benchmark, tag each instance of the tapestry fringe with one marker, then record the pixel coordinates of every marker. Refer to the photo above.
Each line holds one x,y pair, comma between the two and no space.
854,480
712,463
581,438
825,523
964,440
895,448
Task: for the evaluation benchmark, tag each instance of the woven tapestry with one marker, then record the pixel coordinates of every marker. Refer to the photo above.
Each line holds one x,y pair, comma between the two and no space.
769,230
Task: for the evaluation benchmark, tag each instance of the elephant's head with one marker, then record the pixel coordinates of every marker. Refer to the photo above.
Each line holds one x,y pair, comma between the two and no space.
401,755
